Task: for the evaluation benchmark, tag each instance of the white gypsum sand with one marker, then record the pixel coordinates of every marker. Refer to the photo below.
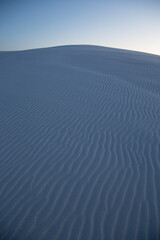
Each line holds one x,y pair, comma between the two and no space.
79,144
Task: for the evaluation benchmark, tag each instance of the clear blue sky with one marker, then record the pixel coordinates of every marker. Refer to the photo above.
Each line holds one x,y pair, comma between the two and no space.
127,24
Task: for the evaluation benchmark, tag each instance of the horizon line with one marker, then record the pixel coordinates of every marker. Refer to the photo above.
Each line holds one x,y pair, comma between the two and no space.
71,45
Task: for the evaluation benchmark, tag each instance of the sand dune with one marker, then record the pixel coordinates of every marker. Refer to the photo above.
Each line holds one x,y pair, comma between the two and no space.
79,144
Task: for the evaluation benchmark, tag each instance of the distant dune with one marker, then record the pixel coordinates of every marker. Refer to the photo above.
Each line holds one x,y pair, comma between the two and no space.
79,144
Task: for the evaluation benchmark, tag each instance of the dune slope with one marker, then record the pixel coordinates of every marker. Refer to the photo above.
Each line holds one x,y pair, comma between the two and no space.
79,144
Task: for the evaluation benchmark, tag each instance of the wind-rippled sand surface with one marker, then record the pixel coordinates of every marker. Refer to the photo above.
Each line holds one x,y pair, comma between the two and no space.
79,144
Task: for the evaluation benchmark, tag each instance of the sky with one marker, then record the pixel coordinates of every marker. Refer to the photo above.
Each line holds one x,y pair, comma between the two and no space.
125,24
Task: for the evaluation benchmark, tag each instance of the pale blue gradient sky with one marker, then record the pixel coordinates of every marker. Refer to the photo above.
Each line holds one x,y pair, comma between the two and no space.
26,24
